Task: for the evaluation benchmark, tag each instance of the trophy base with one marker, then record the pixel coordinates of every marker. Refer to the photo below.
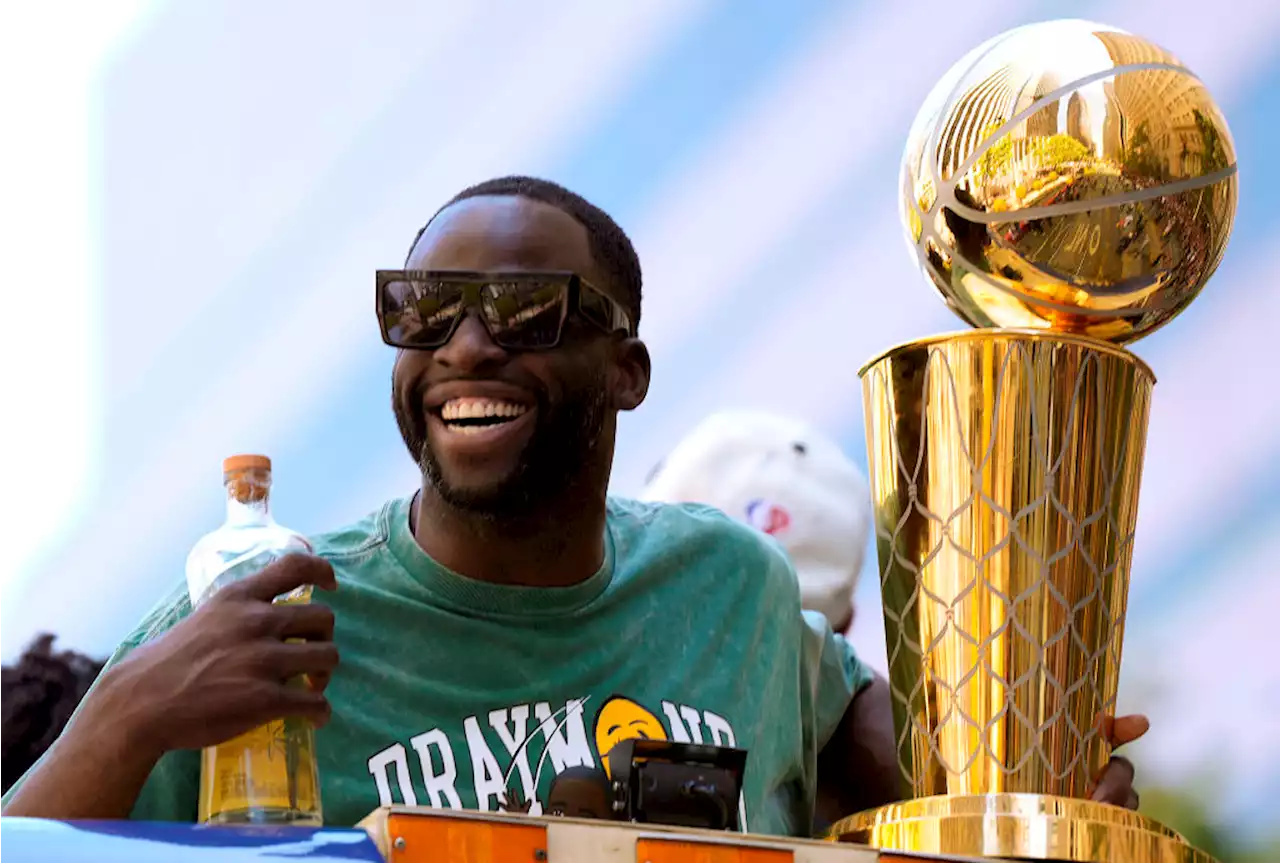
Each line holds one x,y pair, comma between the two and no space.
1018,826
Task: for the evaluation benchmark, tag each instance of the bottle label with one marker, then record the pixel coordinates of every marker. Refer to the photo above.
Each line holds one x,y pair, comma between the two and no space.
267,775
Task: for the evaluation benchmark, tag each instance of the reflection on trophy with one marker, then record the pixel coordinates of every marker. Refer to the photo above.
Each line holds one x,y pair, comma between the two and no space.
1069,188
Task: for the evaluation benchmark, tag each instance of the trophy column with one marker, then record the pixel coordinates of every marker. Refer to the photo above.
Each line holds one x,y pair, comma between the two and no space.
1005,468
1067,188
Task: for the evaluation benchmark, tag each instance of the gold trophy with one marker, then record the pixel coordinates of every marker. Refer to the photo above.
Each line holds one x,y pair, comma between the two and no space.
1067,188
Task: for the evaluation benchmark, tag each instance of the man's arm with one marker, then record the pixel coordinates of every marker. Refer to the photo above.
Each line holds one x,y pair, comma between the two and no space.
219,672
858,768
95,770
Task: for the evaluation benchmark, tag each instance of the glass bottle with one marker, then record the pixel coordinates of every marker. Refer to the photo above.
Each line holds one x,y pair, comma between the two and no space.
267,775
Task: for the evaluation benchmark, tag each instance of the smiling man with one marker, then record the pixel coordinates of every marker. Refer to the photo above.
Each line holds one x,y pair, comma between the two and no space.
486,618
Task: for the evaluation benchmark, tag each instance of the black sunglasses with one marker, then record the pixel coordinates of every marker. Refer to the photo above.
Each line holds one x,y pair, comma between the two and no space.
522,310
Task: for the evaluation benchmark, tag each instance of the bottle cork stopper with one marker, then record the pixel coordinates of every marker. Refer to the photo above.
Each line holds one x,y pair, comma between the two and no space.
245,462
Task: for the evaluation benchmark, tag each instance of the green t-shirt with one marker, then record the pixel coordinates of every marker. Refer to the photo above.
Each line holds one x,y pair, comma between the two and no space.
450,690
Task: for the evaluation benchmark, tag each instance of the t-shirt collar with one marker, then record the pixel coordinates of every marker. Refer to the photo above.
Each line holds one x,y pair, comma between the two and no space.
471,595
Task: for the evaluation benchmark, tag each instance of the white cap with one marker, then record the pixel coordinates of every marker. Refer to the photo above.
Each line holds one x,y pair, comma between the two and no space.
787,479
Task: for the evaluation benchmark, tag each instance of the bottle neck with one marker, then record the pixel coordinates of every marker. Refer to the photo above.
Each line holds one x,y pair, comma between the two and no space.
249,497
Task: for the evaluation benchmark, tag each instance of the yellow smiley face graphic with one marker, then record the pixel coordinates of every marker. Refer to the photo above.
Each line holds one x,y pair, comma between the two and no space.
621,719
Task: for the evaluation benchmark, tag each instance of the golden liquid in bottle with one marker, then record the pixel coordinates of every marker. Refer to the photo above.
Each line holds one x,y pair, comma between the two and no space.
264,776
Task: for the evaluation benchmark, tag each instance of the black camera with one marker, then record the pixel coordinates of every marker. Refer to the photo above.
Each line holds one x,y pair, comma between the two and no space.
678,784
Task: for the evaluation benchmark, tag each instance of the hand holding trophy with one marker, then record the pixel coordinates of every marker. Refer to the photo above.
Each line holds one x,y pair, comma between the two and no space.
1068,188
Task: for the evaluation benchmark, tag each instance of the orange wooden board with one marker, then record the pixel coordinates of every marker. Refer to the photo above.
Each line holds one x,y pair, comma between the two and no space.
653,850
455,839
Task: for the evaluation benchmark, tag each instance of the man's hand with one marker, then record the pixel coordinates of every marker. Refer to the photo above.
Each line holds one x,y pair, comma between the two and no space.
222,671
226,668
1115,783
513,801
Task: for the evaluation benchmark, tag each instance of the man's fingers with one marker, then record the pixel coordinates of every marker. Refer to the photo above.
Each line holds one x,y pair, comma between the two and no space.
1116,784
313,622
311,657
1126,729
306,704
281,576
319,680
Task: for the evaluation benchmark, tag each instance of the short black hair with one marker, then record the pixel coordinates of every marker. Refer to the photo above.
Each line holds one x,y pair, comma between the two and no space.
40,693
610,246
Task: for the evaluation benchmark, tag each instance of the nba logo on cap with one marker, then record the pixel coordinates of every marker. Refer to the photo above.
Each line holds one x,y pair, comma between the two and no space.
767,517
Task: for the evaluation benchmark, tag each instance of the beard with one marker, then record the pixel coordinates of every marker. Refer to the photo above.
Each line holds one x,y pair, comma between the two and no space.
559,452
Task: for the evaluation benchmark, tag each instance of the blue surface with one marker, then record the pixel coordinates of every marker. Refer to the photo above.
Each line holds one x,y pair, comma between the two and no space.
139,842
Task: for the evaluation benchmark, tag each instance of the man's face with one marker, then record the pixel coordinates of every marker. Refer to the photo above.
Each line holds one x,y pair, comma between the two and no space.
493,430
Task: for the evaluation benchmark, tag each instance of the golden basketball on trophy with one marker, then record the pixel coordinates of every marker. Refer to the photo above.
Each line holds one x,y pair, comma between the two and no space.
1067,188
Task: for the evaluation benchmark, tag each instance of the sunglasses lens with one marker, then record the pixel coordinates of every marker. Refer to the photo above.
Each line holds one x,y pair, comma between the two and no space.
600,311
525,313
420,314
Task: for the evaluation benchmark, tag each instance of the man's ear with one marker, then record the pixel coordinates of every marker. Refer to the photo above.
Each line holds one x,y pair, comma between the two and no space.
631,374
